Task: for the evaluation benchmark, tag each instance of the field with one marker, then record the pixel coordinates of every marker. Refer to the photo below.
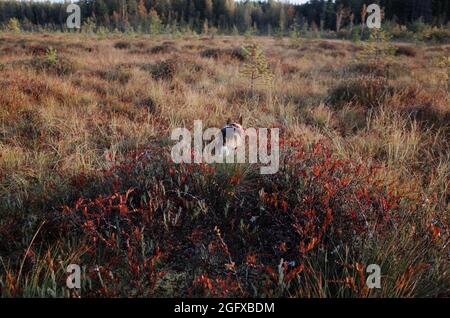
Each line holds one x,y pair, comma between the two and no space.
86,175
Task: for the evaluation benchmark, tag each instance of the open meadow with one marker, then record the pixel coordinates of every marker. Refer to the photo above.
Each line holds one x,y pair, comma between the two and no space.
86,175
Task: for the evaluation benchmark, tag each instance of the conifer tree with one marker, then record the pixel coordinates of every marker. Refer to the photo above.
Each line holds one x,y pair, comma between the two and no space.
255,67
155,23
13,25
378,50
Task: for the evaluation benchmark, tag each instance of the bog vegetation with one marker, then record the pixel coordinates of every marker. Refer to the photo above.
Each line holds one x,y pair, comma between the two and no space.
86,176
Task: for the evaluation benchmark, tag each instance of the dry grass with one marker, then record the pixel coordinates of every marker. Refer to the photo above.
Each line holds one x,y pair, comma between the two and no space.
71,129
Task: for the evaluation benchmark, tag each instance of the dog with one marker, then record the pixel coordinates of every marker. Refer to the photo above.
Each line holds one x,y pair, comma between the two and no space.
233,136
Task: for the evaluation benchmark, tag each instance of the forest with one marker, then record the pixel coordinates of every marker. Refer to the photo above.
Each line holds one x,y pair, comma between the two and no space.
221,16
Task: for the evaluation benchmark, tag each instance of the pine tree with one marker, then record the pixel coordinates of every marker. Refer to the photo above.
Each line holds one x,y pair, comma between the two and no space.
255,67
155,23
378,49
51,56
143,15
89,26
13,25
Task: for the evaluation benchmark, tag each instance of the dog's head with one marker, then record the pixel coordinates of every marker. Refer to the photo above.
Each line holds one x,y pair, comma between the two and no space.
233,135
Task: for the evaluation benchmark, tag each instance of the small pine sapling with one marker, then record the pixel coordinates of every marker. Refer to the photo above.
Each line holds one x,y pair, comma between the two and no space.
378,50
255,67
51,56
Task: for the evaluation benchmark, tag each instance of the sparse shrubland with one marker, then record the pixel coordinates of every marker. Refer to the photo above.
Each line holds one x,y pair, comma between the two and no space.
86,175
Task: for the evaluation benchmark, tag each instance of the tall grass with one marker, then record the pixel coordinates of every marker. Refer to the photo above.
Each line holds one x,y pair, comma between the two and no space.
85,175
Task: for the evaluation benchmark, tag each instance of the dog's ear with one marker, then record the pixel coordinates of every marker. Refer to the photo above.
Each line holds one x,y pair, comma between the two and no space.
240,120
228,121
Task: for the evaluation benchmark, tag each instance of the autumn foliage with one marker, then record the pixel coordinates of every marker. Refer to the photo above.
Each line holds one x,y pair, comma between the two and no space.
213,232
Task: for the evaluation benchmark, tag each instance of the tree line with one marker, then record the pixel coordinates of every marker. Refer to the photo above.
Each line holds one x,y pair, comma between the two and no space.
222,15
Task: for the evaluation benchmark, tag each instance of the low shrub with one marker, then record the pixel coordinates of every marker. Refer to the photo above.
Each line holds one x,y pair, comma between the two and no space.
401,33
162,49
52,63
366,91
328,46
405,51
164,70
122,45
430,116
148,103
436,35
424,107
120,73
235,53
28,127
351,119
390,70
38,50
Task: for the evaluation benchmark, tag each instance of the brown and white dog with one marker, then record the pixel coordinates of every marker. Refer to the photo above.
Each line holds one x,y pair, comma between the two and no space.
233,136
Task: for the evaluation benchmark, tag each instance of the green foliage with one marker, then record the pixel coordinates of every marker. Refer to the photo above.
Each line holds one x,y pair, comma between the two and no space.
223,14
378,49
435,35
401,32
295,37
89,26
248,35
356,34
102,32
442,63
51,63
51,56
278,36
418,26
13,25
255,67
250,32
156,25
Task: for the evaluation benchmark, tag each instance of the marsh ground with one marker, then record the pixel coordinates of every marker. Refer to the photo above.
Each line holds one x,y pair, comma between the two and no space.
86,177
